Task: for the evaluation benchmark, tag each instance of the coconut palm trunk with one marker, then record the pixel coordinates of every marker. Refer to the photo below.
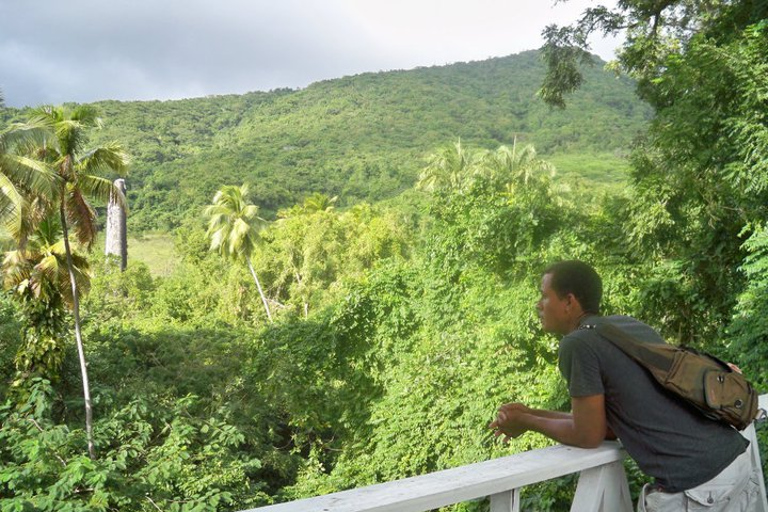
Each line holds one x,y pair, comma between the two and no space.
258,285
78,336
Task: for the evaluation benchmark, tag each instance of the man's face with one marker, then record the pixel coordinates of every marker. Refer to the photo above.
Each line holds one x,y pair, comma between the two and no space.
554,312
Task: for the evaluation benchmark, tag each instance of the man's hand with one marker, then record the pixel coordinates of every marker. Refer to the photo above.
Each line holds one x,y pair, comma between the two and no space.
507,422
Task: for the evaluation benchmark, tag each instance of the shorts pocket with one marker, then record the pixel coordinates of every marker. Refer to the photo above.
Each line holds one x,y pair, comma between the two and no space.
706,498
712,497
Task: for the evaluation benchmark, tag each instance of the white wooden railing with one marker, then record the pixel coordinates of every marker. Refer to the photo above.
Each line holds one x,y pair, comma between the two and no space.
602,483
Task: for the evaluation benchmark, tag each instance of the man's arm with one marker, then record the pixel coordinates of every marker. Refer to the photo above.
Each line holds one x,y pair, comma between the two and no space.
517,406
585,427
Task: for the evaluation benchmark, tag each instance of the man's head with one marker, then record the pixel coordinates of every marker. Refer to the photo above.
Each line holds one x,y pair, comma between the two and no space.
569,290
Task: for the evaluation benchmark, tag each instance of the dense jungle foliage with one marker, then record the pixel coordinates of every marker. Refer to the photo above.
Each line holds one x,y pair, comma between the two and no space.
394,321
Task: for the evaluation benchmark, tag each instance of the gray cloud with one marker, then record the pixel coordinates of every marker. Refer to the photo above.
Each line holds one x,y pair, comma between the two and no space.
87,50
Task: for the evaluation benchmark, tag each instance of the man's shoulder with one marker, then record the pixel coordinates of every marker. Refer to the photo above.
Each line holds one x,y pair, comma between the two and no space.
580,339
637,329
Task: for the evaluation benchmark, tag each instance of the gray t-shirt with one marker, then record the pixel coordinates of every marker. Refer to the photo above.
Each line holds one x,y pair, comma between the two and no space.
668,439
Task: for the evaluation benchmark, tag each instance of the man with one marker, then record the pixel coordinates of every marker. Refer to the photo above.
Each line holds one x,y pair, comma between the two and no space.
694,461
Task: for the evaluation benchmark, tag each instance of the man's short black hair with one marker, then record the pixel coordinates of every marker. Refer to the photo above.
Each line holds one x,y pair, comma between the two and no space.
581,280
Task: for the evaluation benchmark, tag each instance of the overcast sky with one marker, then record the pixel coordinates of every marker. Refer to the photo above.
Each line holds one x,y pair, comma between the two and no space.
53,51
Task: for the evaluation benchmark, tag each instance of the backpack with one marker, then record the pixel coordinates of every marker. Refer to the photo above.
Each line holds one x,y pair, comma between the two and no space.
700,379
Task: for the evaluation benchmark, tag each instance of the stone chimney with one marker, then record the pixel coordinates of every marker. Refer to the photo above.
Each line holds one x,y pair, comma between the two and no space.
117,241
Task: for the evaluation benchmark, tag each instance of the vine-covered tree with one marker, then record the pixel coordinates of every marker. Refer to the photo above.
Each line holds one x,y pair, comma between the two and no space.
39,278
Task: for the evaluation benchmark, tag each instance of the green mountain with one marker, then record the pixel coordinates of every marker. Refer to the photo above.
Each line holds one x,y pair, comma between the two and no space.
362,137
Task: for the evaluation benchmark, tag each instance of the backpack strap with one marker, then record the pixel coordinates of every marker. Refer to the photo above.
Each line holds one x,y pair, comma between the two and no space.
630,345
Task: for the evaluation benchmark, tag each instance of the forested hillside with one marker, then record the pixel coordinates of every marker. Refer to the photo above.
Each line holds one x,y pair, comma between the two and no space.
361,138
344,341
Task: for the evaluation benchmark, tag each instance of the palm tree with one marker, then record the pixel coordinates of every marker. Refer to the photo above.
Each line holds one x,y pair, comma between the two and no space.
451,168
517,165
63,146
234,228
318,202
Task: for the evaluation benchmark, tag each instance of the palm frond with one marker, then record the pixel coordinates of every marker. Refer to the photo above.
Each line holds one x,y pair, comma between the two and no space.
100,189
109,157
241,238
213,210
81,216
15,215
16,268
10,197
217,241
48,234
87,115
34,176
49,268
45,116
25,138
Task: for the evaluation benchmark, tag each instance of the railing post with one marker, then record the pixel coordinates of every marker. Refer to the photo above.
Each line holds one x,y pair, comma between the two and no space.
602,489
508,501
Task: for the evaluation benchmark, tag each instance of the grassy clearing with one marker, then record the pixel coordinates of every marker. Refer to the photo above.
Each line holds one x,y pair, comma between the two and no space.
156,250
597,169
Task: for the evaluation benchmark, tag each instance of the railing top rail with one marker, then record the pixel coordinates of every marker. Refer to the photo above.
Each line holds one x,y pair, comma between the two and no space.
459,484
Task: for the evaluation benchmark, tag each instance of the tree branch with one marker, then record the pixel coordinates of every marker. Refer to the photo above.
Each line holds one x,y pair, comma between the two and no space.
63,462
152,502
